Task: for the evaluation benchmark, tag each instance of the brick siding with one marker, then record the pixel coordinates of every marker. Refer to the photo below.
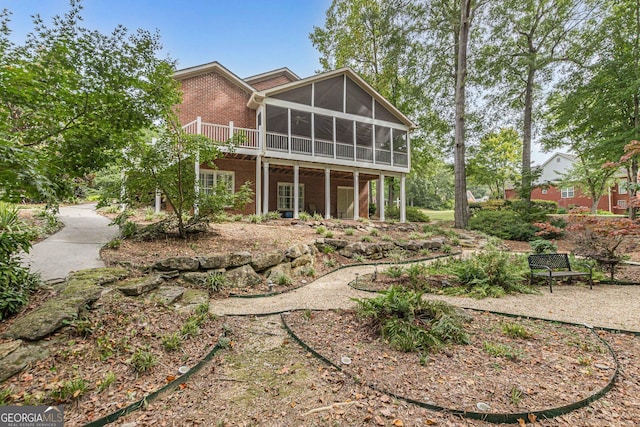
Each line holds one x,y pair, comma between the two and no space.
216,100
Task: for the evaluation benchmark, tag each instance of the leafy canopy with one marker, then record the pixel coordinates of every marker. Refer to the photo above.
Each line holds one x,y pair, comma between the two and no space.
71,98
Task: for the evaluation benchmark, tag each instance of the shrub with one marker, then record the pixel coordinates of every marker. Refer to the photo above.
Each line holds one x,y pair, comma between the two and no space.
283,280
413,214
172,342
349,231
304,216
321,229
216,281
366,239
16,282
543,246
602,238
490,273
504,224
409,323
143,360
70,390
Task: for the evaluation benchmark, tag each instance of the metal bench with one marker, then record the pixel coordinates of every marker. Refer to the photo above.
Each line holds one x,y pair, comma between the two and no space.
552,266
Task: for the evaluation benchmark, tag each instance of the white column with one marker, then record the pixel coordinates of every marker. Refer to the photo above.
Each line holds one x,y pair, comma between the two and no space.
196,208
158,201
296,190
356,195
265,188
327,193
258,195
380,196
403,199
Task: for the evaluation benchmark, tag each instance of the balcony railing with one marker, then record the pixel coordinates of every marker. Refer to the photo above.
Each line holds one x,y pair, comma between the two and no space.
280,142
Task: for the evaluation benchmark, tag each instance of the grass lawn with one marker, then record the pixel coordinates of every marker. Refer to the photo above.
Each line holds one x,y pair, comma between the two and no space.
439,215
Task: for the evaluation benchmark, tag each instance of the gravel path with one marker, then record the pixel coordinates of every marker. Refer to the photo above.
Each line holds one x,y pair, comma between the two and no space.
609,306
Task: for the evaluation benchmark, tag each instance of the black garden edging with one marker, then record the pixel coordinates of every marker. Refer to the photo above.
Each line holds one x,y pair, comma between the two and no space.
150,397
495,418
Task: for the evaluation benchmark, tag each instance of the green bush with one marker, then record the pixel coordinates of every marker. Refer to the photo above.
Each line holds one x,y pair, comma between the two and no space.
16,282
543,246
409,323
504,224
491,273
413,214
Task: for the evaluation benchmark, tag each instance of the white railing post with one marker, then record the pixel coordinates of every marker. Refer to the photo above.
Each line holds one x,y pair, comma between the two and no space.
296,191
231,131
356,195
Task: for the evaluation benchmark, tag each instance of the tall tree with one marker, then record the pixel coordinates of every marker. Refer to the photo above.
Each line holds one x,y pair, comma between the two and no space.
461,207
496,160
381,41
599,104
71,98
527,42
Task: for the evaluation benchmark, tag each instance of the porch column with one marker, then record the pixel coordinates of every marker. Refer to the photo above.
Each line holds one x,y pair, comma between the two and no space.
356,195
158,201
403,199
380,196
196,202
296,190
265,188
327,193
258,195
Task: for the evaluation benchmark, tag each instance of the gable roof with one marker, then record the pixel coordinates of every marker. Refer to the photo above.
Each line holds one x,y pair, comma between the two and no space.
284,71
258,97
214,66
570,157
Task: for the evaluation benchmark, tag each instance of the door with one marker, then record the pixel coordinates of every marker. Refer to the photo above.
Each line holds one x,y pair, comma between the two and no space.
345,202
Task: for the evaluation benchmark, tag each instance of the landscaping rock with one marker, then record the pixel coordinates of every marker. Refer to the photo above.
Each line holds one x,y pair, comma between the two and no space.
211,262
19,358
435,243
242,277
140,286
191,299
336,243
8,347
297,251
99,276
54,313
196,278
266,260
167,295
177,263
238,259
172,274
279,270
303,260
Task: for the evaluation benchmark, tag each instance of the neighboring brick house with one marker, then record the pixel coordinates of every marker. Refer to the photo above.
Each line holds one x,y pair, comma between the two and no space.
308,144
553,171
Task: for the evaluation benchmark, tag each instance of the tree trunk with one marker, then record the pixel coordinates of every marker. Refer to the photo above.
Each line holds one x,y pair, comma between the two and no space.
526,139
461,209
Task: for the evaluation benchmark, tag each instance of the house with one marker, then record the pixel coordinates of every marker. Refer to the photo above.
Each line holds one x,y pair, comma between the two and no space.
310,144
553,170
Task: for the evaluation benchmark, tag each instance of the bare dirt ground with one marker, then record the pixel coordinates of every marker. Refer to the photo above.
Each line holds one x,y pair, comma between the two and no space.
264,377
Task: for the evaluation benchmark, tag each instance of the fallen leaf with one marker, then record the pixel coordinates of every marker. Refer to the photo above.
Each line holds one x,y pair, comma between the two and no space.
398,423
521,422
532,418
170,378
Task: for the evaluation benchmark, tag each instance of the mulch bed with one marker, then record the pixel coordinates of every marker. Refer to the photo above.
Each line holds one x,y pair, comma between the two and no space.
557,365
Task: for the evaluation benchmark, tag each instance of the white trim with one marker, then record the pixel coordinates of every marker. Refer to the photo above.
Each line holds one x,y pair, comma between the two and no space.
296,191
325,112
265,187
258,197
292,200
403,199
216,174
356,195
327,193
380,197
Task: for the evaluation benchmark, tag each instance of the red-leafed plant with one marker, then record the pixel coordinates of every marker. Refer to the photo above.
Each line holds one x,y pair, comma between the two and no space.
604,239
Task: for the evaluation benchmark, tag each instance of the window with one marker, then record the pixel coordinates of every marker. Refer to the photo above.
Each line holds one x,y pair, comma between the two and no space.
211,179
285,196
622,187
545,191
622,204
567,193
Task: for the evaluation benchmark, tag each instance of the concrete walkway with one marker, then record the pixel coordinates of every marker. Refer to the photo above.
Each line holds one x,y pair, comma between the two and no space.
75,247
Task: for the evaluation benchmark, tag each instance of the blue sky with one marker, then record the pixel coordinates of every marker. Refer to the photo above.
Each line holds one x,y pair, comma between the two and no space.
246,36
